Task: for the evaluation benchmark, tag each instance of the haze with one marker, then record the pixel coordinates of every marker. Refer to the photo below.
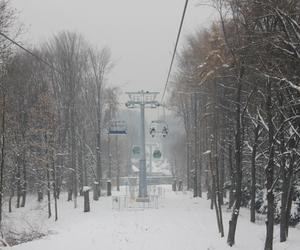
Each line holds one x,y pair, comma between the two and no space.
141,34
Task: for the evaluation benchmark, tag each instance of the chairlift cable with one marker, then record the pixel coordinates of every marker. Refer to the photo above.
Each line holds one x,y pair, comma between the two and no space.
175,49
190,92
30,52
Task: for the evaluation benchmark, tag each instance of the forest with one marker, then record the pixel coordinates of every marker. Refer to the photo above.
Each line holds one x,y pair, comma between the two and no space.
236,90
55,108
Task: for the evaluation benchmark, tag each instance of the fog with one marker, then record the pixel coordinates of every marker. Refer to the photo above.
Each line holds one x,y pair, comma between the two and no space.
141,34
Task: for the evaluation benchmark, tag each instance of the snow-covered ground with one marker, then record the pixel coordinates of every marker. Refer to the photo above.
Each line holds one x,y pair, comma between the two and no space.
180,223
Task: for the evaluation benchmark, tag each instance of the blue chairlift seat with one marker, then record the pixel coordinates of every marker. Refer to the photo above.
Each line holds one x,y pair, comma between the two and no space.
117,128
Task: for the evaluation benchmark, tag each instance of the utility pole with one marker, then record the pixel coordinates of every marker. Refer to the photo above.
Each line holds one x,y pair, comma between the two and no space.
142,100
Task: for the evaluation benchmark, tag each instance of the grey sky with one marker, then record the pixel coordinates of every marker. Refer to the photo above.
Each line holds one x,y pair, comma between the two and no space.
140,33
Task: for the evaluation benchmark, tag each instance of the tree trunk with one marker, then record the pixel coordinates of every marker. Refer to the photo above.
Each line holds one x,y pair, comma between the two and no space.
238,168
232,179
195,152
253,173
97,191
222,178
59,173
40,195
283,208
86,191
214,198
80,168
70,167
108,187
200,158
270,172
24,188
10,203
86,199
289,206
11,190
2,157
284,177
70,194
73,155
18,177
54,187
188,165
286,189
220,198
48,192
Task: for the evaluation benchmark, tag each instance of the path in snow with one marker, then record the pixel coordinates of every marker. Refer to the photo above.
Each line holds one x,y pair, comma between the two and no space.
180,223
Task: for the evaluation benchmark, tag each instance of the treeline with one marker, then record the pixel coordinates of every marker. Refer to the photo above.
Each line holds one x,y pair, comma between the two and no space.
237,90
56,105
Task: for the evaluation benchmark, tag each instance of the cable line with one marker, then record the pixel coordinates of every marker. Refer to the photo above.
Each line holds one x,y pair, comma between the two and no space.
29,52
175,49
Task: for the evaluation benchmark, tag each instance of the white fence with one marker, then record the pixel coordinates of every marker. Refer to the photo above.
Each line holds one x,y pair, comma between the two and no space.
128,201
125,202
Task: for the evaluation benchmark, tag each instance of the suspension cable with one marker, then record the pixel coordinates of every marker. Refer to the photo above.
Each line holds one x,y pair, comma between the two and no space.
29,52
175,49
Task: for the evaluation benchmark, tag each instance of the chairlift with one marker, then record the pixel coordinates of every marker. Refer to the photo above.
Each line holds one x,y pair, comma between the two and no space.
117,128
159,127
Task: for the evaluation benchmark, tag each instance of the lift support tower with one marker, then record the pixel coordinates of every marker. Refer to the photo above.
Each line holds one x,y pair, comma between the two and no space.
142,99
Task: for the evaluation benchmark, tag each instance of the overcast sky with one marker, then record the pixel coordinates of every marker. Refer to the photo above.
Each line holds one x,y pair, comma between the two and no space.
140,33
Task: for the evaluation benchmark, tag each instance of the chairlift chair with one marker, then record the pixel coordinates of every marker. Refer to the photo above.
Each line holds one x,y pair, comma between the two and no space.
159,127
117,128
165,131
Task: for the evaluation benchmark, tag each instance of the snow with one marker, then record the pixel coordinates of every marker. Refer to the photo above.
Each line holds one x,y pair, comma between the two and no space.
86,188
201,65
225,65
135,169
296,87
180,223
161,166
207,152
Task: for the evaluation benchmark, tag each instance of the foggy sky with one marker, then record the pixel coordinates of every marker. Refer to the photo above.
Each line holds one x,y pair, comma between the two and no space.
140,33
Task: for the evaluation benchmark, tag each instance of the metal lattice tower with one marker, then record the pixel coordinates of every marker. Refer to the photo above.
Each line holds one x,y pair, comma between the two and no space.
142,99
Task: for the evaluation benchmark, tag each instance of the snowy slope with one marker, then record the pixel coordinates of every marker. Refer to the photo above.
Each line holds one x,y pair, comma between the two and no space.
180,223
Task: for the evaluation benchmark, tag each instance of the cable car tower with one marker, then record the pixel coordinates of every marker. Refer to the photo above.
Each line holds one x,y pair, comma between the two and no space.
142,99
